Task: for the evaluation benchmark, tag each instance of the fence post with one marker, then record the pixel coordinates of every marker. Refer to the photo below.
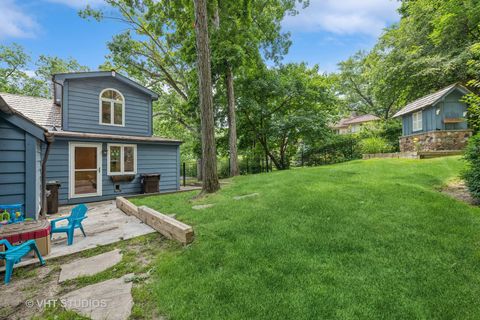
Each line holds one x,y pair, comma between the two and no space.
184,175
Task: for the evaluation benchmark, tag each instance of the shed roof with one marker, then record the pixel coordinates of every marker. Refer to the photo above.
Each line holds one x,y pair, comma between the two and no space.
60,77
430,99
40,111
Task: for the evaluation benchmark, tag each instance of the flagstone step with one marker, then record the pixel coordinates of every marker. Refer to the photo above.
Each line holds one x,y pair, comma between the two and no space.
107,300
89,266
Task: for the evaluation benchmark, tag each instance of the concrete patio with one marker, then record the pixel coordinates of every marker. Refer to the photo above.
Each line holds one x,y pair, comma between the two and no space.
105,224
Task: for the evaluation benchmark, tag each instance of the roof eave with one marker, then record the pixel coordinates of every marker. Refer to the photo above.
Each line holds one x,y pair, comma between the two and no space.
94,74
5,108
86,135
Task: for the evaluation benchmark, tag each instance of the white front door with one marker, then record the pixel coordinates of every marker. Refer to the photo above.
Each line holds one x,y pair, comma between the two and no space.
85,178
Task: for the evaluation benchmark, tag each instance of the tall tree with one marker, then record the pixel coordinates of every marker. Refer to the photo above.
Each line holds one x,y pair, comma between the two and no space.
284,106
46,66
241,30
158,48
209,154
431,47
14,77
232,123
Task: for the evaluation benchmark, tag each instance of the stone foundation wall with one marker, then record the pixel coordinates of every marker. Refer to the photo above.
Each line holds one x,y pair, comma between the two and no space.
435,141
399,155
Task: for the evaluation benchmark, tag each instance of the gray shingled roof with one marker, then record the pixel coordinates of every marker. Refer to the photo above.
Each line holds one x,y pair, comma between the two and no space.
362,119
39,110
345,122
431,99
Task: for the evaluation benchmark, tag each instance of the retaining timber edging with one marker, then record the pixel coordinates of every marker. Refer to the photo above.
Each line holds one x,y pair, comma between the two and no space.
166,225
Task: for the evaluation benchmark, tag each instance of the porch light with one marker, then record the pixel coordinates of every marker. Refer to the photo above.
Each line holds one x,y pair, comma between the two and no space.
464,114
437,111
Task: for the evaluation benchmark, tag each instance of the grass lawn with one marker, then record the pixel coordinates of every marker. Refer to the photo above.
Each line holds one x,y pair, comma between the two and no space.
365,239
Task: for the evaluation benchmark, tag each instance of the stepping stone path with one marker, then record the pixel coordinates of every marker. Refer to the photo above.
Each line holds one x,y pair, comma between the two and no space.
246,196
107,300
89,266
202,206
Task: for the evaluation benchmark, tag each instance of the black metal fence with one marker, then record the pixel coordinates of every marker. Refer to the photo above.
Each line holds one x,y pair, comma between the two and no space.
343,148
189,169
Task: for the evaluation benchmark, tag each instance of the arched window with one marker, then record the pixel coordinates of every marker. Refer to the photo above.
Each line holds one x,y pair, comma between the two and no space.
112,108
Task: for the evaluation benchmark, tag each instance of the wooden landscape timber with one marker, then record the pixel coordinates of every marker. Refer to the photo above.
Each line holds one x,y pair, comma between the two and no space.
126,206
166,225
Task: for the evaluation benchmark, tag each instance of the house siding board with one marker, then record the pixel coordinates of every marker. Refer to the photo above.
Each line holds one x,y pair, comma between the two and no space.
151,158
81,107
30,172
407,124
454,108
18,158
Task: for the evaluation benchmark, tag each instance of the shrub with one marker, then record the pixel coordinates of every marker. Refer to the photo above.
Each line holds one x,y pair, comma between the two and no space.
336,148
374,145
472,174
388,130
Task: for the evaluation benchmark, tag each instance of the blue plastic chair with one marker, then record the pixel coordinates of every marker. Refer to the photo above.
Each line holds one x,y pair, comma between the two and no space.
74,222
14,254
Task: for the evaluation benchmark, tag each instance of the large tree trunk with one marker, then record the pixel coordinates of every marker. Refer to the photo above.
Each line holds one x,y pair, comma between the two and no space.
232,125
209,154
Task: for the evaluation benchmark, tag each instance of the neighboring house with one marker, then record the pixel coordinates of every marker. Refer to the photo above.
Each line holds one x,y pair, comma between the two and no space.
101,123
436,121
353,124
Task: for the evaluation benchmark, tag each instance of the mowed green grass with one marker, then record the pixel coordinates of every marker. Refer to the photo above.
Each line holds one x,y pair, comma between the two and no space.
361,240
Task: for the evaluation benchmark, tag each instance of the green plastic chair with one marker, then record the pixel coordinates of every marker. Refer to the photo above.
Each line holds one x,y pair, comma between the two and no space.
14,254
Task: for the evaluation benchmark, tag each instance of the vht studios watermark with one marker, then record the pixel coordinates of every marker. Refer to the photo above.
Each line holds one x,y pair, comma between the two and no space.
78,303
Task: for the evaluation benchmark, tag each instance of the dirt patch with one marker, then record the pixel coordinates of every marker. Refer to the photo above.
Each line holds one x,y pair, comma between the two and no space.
458,190
32,285
20,297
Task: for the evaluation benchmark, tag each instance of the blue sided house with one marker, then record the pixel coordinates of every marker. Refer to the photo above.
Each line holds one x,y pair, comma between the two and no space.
436,122
95,137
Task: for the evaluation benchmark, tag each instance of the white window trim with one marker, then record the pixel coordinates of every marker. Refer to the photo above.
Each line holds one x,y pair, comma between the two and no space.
418,124
100,99
122,172
71,171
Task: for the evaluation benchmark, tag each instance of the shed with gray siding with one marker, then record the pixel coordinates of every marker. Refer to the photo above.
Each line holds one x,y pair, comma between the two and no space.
427,118
442,110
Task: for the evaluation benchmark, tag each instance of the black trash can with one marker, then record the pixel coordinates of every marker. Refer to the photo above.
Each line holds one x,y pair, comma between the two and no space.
150,183
52,196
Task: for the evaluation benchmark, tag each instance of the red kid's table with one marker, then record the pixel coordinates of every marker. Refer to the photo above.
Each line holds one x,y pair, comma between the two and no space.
38,230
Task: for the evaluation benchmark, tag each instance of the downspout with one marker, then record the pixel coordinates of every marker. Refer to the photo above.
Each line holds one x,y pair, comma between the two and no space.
49,138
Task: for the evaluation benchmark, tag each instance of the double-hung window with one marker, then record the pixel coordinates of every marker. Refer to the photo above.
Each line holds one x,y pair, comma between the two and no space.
112,108
122,159
417,121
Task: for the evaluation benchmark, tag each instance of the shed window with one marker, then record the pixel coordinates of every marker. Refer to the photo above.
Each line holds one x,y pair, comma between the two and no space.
112,108
122,159
417,121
